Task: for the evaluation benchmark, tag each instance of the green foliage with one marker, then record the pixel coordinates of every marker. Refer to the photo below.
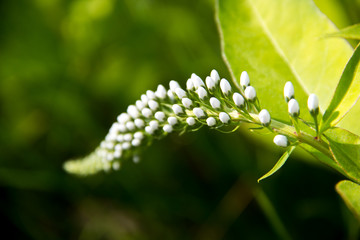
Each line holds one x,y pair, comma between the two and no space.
350,193
351,32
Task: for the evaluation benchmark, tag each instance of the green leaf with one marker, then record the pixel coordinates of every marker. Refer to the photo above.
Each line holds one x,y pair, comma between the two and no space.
346,94
350,193
351,32
279,163
278,41
345,147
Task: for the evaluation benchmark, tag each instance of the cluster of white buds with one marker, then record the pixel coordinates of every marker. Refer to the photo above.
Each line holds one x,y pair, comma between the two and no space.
215,104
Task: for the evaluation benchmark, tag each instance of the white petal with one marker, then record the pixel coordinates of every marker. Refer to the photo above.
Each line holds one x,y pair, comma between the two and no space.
250,93
168,128
177,109
293,107
187,102
160,116
215,76
225,86
199,113
215,103
224,117
210,83
172,121
264,117
281,140
190,121
244,79
202,93
211,121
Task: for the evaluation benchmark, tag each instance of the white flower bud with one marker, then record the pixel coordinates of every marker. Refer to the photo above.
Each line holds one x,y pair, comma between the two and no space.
136,159
190,84
160,116
215,76
116,165
153,105
293,107
211,121
177,109
190,121
180,92
160,92
114,128
225,86
120,138
215,103
146,112
264,117
187,102
133,111
173,85
122,128
139,123
123,118
210,83
172,121
202,93
250,93
288,91
117,154
126,145
168,128
109,157
118,147
149,130
130,126
140,105
144,99
170,95
128,137
154,124
139,135
313,104
244,79
197,81
150,94
199,113
238,100
224,117
136,142
281,141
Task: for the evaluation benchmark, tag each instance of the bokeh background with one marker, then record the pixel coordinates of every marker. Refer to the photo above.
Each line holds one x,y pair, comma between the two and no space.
68,68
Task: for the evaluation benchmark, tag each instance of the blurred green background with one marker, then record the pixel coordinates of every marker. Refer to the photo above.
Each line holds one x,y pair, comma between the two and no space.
68,68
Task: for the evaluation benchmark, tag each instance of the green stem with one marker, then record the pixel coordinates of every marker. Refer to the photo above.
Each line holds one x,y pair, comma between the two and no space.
270,213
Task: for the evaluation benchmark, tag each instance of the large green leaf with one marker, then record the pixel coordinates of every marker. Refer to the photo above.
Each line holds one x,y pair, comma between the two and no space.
345,147
346,94
350,193
351,32
278,41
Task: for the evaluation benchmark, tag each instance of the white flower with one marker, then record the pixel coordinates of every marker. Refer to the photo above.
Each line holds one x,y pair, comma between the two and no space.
288,91
250,93
313,104
130,126
187,102
144,99
198,82
136,142
160,116
118,147
190,121
224,117
146,112
172,121
177,109
264,117
244,79
199,113
168,128
123,118
180,92
238,99
170,94
139,104
109,157
154,124
116,165
117,154
128,137
150,94
136,159
153,105
202,93
225,86
126,145
190,84
173,85
160,92
215,76
122,128
281,141
133,111
293,108
215,103
139,135
120,138
211,121
210,83
149,130
139,123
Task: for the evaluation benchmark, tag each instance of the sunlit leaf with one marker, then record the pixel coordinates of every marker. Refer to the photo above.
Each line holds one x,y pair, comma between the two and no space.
279,163
351,32
346,94
278,41
350,193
